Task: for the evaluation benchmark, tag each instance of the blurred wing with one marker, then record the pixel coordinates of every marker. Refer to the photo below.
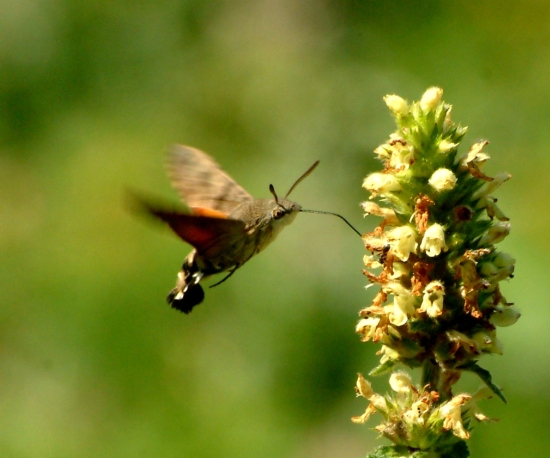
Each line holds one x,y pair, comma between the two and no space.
210,236
200,181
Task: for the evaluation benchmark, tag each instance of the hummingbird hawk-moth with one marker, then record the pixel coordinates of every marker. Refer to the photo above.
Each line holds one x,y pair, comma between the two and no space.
225,225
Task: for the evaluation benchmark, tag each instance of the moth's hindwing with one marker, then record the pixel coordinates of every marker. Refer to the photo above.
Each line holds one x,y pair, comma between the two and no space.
208,235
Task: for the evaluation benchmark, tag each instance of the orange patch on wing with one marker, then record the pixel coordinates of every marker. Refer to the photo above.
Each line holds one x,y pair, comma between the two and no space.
200,211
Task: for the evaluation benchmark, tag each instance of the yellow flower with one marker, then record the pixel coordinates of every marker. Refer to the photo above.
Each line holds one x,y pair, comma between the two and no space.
377,403
472,409
452,413
371,262
371,208
367,328
403,304
415,415
381,183
475,157
402,240
363,387
433,242
402,153
432,302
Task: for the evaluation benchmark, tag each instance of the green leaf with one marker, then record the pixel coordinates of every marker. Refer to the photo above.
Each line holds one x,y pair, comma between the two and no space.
457,450
383,368
484,375
391,451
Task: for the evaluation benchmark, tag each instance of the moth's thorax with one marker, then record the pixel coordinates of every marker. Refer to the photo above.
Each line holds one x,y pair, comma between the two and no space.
264,219
259,213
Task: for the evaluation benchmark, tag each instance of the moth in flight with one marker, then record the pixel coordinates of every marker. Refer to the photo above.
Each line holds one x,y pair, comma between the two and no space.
225,225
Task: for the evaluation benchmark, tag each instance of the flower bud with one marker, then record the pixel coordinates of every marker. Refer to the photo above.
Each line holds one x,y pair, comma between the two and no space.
491,186
388,354
442,180
504,260
397,105
431,99
505,316
493,210
400,382
496,233
446,146
487,342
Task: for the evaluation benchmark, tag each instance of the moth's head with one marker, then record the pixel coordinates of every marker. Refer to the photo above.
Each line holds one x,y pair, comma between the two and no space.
283,210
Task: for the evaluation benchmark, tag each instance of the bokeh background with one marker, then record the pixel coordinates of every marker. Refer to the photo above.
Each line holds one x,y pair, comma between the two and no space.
94,363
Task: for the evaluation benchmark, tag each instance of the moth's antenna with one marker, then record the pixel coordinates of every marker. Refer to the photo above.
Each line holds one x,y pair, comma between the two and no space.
308,171
272,191
334,214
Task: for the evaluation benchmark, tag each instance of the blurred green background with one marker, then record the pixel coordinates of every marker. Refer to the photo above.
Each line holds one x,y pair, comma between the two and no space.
94,363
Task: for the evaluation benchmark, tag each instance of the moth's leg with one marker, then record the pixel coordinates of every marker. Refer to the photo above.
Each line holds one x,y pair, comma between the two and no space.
231,272
190,266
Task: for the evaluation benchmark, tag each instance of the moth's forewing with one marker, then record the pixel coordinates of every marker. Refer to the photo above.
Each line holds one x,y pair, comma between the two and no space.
201,182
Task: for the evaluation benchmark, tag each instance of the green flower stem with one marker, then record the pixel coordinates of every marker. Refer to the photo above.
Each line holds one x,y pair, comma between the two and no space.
430,375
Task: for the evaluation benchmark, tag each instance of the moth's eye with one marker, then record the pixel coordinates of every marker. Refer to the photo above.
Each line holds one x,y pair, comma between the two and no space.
278,213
